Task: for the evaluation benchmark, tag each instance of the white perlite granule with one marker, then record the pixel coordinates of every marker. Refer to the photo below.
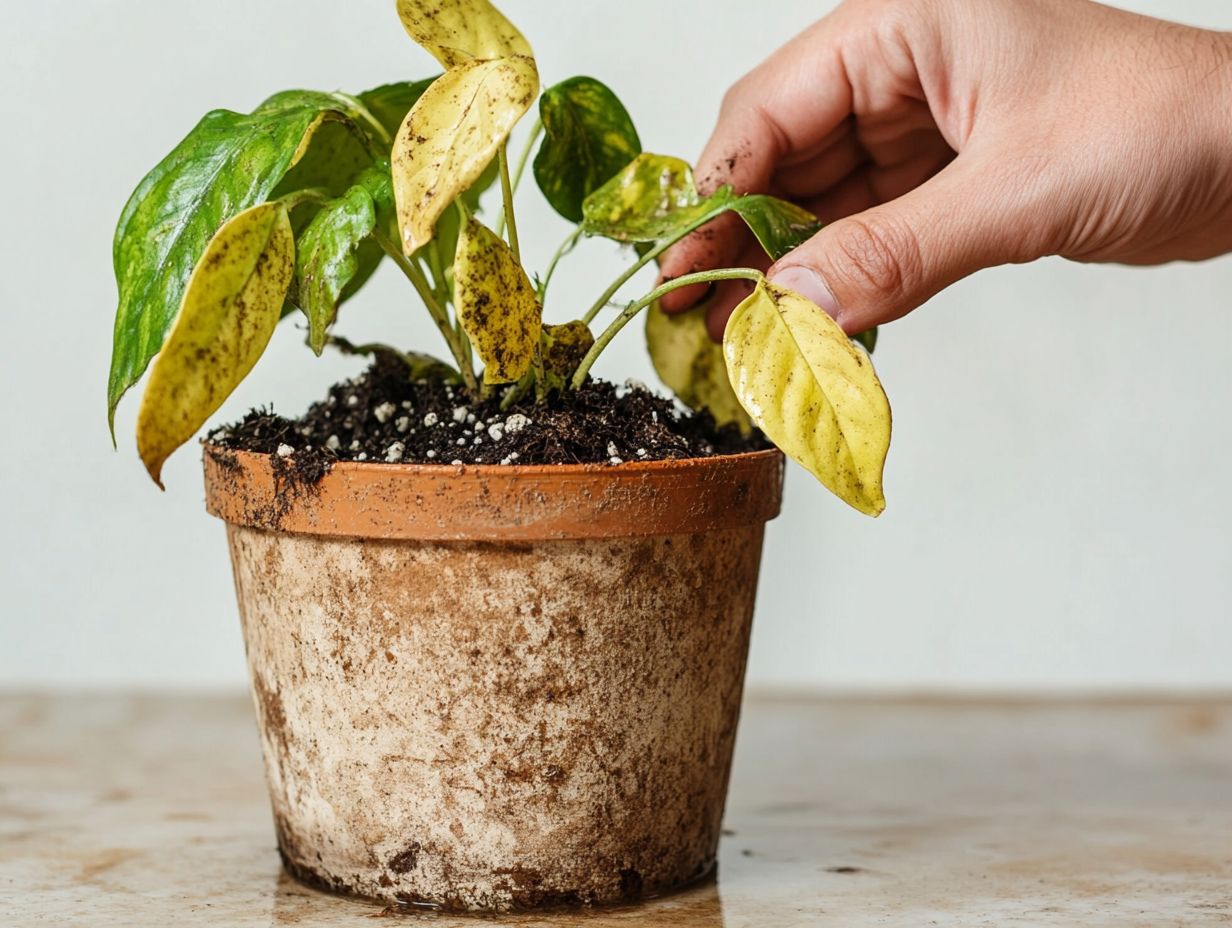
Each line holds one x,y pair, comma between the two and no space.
394,452
383,412
285,451
516,423
430,420
333,443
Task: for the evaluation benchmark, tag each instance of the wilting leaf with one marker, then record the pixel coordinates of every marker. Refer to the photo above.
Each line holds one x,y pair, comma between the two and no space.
564,347
451,135
230,309
419,366
651,199
691,365
654,199
228,163
457,31
588,137
336,253
812,391
496,303
390,103
778,225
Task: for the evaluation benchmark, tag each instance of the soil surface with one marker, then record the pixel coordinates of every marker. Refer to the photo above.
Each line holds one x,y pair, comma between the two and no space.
384,416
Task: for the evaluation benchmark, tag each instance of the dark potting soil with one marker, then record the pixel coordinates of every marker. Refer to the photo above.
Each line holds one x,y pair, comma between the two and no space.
384,415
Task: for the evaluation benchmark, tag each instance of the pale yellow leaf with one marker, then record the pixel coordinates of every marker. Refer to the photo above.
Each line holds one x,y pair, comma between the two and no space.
456,31
812,391
451,134
691,365
232,303
496,303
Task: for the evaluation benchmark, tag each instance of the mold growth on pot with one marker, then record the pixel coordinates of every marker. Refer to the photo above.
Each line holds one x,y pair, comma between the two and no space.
384,415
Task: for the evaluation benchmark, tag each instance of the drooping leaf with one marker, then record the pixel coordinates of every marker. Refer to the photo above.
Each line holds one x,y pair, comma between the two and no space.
227,163
496,303
691,365
655,199
419,366
812,391
564,347
336,252
389,103
588,138
457,31
230,308
778,225
451,135
652,198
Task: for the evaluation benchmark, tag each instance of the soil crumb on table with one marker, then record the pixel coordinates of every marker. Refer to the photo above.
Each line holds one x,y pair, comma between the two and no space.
384,416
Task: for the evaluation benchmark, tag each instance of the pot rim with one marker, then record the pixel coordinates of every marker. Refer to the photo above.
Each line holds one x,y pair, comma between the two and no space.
496,502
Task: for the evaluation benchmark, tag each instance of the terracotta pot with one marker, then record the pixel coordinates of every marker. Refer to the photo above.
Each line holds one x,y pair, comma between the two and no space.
487,688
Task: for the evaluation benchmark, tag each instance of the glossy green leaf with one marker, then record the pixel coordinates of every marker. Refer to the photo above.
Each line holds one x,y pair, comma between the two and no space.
336,252
452,134
812,391
457,31
778,225
496,303
564,347
651,199
691,365
654,199
230,308
228,163
588,137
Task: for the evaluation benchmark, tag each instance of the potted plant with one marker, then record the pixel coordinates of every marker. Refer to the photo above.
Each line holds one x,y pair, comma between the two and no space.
496,613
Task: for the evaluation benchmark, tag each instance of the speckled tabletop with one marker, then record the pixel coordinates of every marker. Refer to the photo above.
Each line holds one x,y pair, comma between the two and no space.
144,811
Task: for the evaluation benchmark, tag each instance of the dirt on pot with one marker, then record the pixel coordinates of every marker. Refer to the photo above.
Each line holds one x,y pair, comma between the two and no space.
385,415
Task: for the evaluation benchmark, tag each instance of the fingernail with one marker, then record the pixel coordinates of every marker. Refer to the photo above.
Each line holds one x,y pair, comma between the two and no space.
808,283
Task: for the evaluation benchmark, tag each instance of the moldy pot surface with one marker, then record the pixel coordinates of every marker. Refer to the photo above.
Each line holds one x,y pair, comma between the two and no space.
489,688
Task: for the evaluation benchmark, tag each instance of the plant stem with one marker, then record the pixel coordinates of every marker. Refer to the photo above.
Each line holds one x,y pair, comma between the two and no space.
641,262
435,309
535,131
701,277
507,198
565,247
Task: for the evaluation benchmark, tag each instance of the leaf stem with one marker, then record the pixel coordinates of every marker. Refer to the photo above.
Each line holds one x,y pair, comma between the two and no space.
565,247
435,310
641,262
318,195
686,280
507,198
535,131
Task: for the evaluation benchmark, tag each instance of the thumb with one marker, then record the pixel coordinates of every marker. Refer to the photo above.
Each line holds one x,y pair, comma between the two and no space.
880,264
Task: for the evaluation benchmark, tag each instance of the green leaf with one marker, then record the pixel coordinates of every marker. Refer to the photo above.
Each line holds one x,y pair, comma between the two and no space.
812,391
778,225
496,304
231,306
691,365
651,199
390,103
588,138
654,199
336,252
228,163
867,338
458,31
452,134
564,347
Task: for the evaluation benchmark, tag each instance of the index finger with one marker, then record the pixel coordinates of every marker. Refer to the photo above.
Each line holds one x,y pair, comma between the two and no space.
788,108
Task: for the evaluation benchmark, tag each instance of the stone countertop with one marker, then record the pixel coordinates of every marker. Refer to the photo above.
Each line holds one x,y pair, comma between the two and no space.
151,810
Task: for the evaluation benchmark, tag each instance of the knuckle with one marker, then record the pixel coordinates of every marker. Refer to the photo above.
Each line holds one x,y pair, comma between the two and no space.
876,253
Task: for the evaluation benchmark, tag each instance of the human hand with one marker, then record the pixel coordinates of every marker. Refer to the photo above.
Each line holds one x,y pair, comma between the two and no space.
939,137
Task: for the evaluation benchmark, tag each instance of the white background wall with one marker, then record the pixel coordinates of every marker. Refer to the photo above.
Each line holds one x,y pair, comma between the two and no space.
1058,498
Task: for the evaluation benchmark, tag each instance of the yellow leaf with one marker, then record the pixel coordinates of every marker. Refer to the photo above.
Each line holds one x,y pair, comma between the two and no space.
564,347
232,303
691,365
496,303
812,391
456,31
451,134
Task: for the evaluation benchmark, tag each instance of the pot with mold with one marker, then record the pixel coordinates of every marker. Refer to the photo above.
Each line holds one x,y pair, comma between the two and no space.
487,688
